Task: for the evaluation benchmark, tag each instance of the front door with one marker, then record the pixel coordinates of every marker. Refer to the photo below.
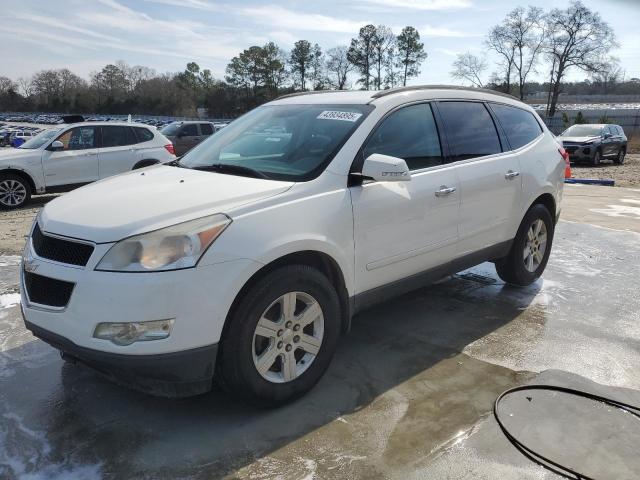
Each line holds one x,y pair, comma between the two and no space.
404,228
76,163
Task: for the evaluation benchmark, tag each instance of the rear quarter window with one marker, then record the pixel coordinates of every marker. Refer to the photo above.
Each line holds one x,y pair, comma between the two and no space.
143,134
520,126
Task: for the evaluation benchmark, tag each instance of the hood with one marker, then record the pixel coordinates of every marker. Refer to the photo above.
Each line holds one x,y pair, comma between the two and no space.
151,198
578,139
8,155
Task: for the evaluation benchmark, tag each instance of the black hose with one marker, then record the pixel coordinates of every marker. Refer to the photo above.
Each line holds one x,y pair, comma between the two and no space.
535,456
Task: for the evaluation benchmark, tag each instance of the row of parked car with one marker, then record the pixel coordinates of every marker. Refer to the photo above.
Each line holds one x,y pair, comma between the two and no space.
16,136
66,156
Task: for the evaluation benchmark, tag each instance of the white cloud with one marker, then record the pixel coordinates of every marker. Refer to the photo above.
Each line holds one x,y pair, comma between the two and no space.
446,51
422,4
197,4
430,31
274,15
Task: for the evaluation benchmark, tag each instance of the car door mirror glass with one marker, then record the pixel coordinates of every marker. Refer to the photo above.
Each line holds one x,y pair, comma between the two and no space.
57,146
384,168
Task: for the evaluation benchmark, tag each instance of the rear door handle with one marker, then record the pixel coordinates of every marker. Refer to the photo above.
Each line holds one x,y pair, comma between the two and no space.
511,174
444,191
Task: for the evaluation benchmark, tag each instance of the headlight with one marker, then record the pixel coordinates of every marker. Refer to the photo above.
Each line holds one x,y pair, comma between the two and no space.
171,248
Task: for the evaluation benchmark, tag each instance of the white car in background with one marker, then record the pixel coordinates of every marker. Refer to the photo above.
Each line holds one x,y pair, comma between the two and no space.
244,261
63,158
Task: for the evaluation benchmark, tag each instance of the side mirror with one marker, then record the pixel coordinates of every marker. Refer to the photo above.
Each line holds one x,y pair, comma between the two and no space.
383,168
56,146
607,135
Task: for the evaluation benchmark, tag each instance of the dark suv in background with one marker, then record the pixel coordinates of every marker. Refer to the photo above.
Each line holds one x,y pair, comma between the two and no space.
186,135
592,143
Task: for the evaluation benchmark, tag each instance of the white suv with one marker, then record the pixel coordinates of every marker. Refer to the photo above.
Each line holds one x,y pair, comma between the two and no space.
66,157
245,260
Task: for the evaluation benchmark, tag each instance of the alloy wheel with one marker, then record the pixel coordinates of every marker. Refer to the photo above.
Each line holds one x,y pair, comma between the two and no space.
288,337
535,245
12,193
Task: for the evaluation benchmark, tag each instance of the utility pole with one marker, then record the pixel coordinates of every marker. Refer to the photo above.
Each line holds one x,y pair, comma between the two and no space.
553,68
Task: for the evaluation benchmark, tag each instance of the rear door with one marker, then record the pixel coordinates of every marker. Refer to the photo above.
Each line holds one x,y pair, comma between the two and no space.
404,228
118,151
490,182
77,163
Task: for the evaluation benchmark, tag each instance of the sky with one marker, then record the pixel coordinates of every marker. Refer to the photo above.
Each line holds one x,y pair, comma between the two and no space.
85,35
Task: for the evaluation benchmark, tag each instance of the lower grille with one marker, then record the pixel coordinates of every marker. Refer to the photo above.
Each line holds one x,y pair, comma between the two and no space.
571,149
47,291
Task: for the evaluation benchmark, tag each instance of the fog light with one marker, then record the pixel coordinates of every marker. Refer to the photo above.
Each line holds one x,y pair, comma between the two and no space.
128,333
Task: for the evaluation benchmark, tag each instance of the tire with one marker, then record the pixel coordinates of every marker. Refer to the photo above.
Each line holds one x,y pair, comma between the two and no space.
15,191
517,268
243,347
595,161
619,160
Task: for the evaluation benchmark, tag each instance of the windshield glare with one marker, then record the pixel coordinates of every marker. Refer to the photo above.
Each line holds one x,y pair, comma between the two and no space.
582,131
40,139
284,142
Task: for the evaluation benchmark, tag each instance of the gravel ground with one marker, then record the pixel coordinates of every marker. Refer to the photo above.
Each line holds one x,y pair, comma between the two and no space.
625,175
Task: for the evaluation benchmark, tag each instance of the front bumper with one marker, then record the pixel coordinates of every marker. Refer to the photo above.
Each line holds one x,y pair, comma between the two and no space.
197,299
176,374
580,153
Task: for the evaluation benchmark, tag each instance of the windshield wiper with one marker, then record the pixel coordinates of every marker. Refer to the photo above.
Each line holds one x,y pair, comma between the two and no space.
233,170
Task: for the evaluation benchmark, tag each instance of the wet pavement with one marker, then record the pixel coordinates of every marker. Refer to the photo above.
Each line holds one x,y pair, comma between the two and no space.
409,394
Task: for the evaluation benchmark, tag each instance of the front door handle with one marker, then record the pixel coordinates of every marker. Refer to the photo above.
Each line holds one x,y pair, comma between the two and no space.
511,174
444,191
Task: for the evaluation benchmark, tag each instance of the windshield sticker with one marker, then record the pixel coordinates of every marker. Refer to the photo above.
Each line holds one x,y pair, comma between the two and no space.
335,115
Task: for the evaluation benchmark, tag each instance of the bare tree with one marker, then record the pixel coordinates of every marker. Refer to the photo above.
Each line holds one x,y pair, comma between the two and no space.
576,38
610,74
384,43
518,40
469,67
338,67
25,86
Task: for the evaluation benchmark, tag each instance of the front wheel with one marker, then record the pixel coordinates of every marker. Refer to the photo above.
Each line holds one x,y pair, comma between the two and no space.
530,251
15,191
281,337
595,161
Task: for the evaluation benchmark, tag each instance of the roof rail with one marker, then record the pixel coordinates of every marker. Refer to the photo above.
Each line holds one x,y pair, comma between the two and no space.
313,92
384,93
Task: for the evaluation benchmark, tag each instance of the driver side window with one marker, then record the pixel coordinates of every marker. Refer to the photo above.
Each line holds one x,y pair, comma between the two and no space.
409,133
79,138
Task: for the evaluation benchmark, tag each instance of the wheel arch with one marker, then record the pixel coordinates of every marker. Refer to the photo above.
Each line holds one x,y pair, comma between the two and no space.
22,174
147,162
321,261
547,200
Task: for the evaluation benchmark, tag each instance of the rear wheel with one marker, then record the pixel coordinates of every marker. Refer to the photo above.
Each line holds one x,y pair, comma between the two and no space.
15,191
530,251
620,158
281,337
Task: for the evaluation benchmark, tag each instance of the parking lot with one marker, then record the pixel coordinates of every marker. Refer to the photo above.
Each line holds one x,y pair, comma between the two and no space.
408,395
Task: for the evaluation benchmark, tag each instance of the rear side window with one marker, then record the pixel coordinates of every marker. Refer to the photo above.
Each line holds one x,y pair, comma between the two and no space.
206,129
117,136
143,134
520,126
409,133
470,130
189,130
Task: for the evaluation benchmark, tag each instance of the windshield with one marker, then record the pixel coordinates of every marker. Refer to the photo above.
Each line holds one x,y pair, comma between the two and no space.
281,142
170,129
582,131
40,139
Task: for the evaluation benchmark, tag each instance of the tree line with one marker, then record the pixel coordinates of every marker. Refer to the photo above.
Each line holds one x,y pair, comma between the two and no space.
378,57
530,40
549,44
